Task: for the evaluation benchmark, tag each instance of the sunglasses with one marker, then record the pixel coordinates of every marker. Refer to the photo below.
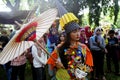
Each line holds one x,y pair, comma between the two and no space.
100,30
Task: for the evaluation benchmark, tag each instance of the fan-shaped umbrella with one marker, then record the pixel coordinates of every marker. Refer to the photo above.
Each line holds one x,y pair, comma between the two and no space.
23,39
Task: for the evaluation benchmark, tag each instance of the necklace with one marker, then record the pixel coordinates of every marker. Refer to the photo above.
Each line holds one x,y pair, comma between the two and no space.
76,59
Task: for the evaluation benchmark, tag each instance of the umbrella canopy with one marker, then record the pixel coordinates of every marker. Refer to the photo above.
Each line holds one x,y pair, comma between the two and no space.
23,39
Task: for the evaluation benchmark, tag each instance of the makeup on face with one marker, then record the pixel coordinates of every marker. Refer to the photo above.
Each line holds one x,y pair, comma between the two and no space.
75,35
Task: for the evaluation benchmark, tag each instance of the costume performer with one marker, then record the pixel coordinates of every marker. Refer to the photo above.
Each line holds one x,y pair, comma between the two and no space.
72,55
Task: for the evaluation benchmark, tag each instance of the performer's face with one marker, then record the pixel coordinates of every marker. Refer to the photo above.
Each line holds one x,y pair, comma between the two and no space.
75,35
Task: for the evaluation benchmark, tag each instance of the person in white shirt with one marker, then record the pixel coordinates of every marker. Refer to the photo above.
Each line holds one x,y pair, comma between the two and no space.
39,60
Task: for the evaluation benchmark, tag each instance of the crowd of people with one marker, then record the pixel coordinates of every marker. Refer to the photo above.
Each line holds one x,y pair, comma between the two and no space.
98,48
70,54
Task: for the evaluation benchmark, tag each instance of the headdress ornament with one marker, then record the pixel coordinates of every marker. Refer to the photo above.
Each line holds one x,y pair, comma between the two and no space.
68,21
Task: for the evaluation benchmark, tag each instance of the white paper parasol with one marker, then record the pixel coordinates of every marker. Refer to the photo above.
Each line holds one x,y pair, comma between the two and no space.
23,39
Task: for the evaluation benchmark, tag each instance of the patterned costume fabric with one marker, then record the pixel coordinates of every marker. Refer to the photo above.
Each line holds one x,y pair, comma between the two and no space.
76,57
79,57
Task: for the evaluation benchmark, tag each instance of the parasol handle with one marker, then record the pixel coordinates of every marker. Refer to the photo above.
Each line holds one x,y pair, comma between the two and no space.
16,22
44,49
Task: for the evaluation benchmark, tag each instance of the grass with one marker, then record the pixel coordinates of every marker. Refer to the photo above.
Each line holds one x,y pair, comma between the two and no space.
111,76
28,75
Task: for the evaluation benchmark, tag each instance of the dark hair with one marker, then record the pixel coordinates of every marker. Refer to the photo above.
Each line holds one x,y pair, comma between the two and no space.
64,34
62,48
116,33
101,29
111,32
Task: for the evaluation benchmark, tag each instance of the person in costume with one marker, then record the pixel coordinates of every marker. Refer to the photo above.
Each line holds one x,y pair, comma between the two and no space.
71,55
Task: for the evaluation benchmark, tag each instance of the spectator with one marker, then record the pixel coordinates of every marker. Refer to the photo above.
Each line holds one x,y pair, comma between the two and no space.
97,45
4,40
88,32
18,67
112,47
51,44
83,37
29,56
62,37
52,39
39,60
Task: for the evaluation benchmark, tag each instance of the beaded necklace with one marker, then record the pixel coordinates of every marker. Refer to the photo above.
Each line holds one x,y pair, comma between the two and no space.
76,58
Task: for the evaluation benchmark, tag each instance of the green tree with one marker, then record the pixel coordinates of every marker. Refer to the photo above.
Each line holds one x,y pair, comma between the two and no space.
95,8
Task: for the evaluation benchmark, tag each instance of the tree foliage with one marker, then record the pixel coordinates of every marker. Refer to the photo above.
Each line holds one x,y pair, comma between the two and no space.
96,7
13,4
